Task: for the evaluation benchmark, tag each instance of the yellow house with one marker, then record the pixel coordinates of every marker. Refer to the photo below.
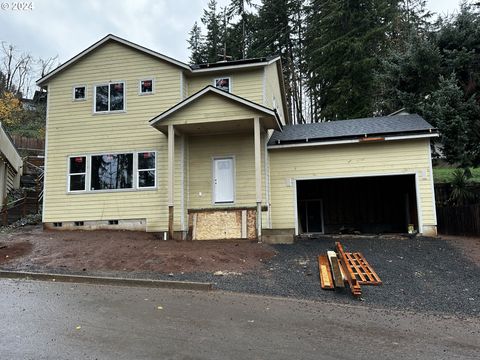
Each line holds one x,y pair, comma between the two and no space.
137,140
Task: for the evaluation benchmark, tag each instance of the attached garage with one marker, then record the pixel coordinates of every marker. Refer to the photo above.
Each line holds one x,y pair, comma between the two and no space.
366,205
366,176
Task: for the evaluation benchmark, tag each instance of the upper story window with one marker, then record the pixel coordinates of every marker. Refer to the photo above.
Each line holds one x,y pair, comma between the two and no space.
109,97
222,84
146,86
79,93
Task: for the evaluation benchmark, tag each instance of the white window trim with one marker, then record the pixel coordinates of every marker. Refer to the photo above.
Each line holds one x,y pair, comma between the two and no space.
135,187
220,78
73,92
69,174
229,203
152,79
138,187
108,83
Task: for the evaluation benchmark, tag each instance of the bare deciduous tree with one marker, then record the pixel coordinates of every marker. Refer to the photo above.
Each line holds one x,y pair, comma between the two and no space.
17,68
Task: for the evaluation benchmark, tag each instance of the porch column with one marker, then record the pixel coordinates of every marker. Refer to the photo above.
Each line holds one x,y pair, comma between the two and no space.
171,179
258,174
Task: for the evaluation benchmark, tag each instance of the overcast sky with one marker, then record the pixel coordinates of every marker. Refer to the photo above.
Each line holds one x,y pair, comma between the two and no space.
64,28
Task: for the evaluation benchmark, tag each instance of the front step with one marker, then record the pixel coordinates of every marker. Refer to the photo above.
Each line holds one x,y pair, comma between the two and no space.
278,236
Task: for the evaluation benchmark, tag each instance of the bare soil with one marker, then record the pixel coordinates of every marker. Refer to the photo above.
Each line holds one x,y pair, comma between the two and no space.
125,251
12,251
469,246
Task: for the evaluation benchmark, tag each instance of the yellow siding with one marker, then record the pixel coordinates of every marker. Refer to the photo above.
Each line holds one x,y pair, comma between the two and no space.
272,90
211,108
246,84
202,149
395,157
73,130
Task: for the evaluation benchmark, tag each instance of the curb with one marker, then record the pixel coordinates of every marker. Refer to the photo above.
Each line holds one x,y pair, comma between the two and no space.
83,279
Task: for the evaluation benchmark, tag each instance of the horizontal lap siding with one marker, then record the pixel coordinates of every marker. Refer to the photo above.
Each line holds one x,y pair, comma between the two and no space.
202,149
272,90
73,129
211,108
393,157
246,84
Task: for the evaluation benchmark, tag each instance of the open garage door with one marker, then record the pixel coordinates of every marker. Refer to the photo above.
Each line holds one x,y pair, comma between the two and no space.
366,205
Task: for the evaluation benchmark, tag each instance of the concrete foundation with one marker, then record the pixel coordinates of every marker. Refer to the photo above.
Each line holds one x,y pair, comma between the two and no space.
129,224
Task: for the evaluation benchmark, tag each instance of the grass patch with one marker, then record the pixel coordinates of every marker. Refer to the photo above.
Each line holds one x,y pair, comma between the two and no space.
445,175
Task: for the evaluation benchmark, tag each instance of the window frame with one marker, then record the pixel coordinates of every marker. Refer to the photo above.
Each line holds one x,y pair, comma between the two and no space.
73,93
149,169
69,174
221,78
152,79
88,172
111,190
108,83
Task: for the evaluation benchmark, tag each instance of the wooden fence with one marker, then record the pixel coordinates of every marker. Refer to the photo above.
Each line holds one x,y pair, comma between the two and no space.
459,220
27,143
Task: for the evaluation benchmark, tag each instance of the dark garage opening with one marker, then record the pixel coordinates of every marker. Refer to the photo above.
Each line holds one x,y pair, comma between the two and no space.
366,205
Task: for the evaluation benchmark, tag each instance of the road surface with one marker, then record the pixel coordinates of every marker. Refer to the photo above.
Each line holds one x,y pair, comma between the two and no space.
51,320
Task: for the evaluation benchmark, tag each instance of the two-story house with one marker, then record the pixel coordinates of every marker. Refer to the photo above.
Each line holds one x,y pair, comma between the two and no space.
137,140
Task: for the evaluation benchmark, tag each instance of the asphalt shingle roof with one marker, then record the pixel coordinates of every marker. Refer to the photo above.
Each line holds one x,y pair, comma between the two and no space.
387,125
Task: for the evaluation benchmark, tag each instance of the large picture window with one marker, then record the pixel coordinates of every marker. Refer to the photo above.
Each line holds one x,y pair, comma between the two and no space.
112,171
77,171
110,97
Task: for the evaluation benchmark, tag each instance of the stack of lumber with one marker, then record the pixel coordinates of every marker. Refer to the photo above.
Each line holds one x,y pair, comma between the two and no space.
338,268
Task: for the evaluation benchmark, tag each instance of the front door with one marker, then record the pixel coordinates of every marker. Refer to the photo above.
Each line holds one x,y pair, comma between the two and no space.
223,180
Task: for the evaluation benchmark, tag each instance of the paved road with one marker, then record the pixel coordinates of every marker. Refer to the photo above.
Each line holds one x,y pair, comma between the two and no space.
46,320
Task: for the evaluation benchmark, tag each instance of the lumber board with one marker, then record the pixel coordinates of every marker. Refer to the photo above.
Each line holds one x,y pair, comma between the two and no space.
350,276
337,274
326,279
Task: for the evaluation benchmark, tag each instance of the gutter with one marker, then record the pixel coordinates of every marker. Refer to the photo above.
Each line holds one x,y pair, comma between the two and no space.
306,142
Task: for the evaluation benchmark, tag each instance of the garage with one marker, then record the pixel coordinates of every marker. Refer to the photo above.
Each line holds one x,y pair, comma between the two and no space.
357,205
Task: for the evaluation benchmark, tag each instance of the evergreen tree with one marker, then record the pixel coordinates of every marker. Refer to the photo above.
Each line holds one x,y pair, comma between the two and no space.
213,40
457,119
237,7
458,39
344,42
404,78
196,45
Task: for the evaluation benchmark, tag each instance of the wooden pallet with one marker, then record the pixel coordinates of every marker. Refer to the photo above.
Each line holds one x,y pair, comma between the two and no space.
347,270
362,270
326,279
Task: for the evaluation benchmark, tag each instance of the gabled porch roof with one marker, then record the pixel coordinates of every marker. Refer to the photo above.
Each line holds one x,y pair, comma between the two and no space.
211,109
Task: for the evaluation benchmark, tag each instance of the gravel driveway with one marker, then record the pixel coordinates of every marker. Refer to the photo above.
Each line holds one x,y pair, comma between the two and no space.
420,274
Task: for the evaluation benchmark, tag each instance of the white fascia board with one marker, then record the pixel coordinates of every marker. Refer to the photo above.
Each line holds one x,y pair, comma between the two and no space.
217,91
351,141
408,137
100,43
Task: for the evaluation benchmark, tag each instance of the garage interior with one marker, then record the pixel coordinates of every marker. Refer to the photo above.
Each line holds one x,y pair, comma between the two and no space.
357,205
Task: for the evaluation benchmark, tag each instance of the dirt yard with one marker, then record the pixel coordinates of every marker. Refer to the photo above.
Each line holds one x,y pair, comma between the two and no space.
32,248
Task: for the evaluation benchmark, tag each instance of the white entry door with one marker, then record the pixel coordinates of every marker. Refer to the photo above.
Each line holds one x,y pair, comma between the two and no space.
223,180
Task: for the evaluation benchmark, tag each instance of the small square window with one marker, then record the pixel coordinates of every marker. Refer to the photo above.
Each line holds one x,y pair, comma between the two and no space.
79,93
146,86
222,84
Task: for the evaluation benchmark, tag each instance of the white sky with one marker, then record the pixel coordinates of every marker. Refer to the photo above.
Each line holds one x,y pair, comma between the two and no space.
66,27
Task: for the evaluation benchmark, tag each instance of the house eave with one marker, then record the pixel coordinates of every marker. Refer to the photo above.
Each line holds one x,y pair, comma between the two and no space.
340,141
